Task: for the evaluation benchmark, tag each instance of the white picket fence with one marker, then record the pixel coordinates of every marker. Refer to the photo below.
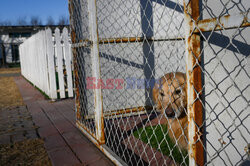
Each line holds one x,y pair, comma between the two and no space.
46,62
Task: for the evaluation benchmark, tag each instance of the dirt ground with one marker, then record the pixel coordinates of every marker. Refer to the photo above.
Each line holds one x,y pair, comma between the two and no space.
29,152
9,93
9,70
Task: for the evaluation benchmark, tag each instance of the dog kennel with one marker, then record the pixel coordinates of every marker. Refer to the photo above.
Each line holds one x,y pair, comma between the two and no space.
121,49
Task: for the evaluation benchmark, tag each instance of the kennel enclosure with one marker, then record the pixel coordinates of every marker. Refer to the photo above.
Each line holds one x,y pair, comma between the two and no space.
121,48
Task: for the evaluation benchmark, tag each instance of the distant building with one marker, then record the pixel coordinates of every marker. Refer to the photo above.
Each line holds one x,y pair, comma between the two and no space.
12,36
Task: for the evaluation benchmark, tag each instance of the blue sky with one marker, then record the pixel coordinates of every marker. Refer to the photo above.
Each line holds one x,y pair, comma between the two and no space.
13,9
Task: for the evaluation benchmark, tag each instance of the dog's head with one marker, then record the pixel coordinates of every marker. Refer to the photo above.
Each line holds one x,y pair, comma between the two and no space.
170,96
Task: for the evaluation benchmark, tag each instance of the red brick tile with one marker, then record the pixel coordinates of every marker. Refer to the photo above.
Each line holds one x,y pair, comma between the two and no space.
149,154
64,126
54,141
41,121
55,116
75,138
87,153
35,112
153,162
63,156
102,162
69,115
48,130
72,120
34,108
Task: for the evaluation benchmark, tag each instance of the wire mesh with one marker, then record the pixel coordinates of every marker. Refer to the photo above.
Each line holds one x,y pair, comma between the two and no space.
82,64
174,79
223,63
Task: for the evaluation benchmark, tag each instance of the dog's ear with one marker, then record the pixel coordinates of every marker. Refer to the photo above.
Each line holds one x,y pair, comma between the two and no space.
155,93
185,91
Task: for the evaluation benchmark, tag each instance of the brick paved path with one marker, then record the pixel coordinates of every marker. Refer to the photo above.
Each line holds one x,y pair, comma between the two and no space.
54,122
56,125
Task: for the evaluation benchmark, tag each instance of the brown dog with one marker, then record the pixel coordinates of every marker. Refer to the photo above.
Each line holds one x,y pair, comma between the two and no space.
170,97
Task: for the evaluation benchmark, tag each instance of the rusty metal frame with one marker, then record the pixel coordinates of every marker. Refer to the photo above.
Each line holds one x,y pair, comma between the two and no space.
86,43
99,135
193,29
95,60
194,83
100,140
124,112
74,57
135,40
224,22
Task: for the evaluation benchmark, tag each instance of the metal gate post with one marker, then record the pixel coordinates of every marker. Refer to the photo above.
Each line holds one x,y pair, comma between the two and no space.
95,60
194,83
74,61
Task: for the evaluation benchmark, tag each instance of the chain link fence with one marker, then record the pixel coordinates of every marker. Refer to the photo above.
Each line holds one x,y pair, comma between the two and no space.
163,82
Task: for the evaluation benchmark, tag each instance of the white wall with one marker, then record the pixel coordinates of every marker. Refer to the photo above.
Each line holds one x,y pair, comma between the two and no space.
130,18
227,91
4,38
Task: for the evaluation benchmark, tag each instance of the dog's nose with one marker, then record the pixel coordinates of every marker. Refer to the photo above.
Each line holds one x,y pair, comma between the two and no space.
169,112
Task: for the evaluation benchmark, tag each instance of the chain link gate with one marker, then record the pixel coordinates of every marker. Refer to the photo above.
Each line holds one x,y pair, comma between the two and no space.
163,82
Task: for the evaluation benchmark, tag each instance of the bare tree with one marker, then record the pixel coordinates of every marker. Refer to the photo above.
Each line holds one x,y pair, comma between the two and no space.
50,21
35,20
63,20
22,21
6,23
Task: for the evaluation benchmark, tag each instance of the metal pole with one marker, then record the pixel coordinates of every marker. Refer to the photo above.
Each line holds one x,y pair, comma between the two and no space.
194,83
74,61
95,60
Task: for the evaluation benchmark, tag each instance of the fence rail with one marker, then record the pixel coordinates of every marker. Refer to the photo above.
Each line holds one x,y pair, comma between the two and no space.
46,62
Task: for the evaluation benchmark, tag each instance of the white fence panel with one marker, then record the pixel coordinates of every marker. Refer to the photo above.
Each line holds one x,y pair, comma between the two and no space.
51,64
67,57
59,62
44,50
46,63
